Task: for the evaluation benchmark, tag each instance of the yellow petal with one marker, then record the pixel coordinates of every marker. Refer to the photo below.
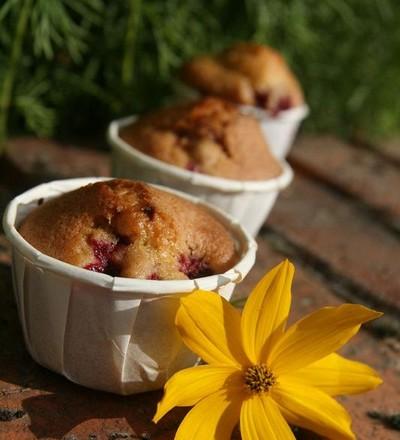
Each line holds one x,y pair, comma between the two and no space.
213,418
210,327
265,313
261,419
312,409
187,387
317,335
336,375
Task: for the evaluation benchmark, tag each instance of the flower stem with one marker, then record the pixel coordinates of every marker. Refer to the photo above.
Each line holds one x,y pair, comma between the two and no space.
128,63
10,76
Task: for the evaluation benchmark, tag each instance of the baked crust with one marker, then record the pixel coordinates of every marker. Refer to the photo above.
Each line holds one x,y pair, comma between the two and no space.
130,229
246,73
210,136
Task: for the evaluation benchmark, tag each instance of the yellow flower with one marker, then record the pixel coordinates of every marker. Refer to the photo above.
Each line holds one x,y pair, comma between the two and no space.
261,373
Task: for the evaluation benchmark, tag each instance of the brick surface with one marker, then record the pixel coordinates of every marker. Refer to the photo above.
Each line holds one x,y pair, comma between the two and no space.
391,148
38,404
340,235
359,172
44,159
44,396
387,148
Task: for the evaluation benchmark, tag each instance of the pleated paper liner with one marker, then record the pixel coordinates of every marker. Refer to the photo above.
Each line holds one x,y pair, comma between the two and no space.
248,201
108,333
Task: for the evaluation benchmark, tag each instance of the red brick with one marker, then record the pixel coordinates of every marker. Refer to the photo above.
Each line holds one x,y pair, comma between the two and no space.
336,232
313,218
357,171
391,148
308,294
46,158
388,148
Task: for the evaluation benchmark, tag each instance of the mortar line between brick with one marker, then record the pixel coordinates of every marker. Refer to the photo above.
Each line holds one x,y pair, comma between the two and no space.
342,286
380,216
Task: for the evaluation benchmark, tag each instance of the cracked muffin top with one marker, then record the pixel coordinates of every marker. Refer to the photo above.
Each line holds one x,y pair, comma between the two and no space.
130,229
246,73
209,136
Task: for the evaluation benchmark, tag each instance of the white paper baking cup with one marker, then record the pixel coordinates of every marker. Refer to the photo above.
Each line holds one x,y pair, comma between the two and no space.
248,201
279,131
108,333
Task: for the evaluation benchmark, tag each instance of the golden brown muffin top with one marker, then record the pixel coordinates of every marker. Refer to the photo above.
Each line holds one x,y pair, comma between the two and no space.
210,136
130,229
246,73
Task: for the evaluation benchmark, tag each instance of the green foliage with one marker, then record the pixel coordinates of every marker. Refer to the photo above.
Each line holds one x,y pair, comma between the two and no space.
82,62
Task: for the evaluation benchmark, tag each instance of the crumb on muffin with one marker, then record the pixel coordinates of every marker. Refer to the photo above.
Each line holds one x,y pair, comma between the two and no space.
130,229
210,136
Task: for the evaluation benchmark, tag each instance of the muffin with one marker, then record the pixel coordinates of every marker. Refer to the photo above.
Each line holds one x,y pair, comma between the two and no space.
209,136
73,319
130,229
249,74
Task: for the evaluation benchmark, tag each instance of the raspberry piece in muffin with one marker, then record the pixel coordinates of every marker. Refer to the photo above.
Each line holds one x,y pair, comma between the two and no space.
194,267
102,252
130,229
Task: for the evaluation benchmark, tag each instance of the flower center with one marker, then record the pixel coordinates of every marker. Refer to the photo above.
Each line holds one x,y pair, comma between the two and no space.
259,379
